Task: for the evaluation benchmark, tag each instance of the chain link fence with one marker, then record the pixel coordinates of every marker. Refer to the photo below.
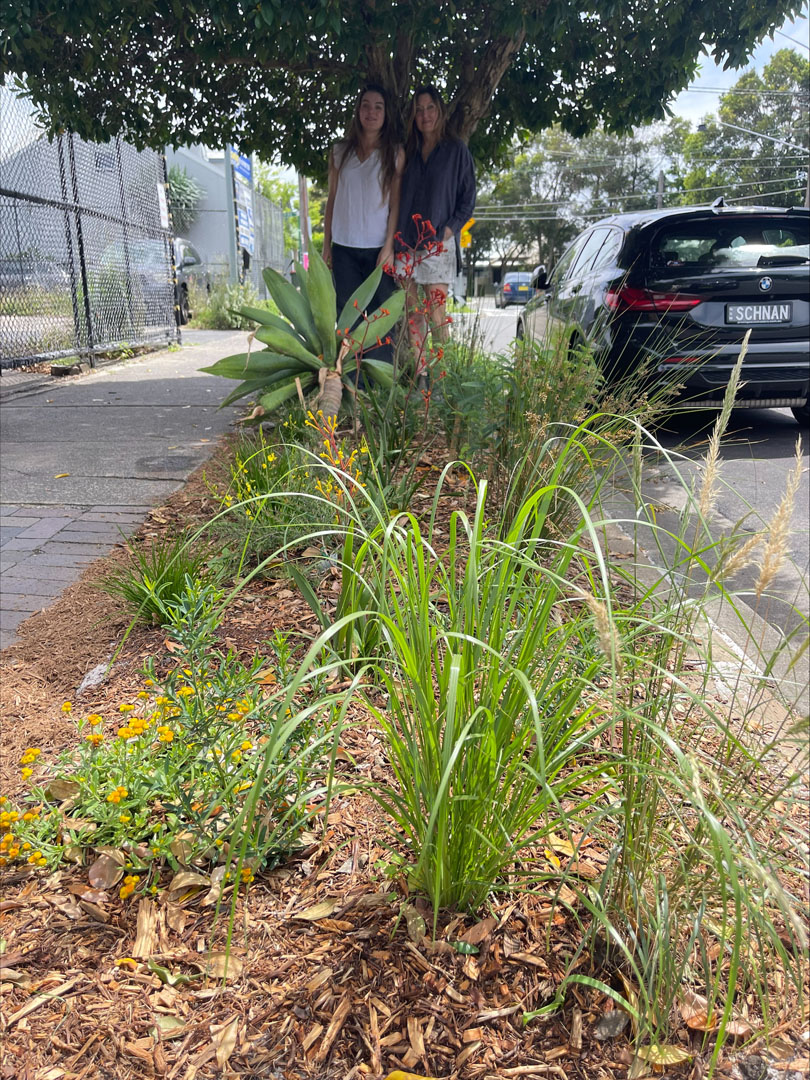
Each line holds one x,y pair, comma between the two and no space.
86,261
269,251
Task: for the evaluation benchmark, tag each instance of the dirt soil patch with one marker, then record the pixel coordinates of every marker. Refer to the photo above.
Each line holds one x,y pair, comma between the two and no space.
331,975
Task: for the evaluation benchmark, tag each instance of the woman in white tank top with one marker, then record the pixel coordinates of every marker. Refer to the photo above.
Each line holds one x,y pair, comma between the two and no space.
365,173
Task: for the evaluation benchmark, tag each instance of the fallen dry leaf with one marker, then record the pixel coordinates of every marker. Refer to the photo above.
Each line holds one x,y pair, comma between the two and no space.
318,911
223,1036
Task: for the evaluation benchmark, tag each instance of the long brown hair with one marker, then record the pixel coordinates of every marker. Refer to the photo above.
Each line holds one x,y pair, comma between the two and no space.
387,143
414,143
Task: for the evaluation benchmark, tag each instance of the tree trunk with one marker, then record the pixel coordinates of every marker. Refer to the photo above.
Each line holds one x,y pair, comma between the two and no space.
471,103
331,395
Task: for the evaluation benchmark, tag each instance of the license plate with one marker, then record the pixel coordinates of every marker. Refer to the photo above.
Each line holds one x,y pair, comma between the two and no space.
759,314
523,288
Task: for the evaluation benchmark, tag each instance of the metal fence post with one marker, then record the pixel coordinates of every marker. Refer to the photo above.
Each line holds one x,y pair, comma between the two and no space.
80,244
74,299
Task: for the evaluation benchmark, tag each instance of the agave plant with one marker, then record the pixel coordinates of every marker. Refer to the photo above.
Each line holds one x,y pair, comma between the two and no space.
307,347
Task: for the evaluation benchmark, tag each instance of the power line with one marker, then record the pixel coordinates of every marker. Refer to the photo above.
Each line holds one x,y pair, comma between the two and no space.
734,90
482,216
502,208
793,41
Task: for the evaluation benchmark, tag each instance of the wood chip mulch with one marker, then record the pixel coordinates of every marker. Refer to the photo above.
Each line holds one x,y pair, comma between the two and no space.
331,975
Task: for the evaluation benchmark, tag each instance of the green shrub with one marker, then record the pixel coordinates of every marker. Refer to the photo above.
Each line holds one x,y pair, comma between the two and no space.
213,766
156,576
219,309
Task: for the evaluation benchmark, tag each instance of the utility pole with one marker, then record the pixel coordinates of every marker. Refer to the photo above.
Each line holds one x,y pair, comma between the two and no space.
659,200
303,218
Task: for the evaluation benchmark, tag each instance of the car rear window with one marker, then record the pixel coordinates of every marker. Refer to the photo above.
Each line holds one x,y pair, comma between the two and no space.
518,279
719,242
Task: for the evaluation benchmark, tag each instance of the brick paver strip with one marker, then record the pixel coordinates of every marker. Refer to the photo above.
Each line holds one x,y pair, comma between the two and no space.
45,528
19,543
120,509
129,518
8,509
29,571
50,559
29,586
100,528
11,558
10,620
48,511
17,521
57,547
25,602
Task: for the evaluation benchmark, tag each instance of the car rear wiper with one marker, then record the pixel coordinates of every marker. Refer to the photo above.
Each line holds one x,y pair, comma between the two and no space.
782,260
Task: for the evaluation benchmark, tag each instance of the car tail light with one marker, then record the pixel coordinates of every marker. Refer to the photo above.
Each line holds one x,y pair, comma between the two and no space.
629,299
507,287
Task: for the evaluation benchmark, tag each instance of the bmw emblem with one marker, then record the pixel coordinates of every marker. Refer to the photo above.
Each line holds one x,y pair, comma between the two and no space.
765,284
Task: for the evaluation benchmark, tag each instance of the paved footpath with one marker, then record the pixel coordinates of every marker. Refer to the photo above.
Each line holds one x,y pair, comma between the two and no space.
83,460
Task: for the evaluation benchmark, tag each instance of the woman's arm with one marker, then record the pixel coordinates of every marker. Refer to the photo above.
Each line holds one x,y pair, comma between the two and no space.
386,256
465,194
334,177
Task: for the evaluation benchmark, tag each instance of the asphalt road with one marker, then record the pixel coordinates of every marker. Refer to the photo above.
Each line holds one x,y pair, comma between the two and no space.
757,455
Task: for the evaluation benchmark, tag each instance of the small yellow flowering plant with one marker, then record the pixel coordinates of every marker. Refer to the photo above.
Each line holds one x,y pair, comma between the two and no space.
167,778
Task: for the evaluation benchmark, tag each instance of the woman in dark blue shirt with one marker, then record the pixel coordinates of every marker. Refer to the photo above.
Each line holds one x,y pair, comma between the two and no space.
438,187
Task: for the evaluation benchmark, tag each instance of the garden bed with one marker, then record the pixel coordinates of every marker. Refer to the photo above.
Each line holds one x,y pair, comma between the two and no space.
327,963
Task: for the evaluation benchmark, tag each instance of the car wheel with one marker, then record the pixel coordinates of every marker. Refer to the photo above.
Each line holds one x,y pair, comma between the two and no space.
802,414
184,312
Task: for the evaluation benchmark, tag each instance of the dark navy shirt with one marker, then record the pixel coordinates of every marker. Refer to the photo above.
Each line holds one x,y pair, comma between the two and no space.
441,189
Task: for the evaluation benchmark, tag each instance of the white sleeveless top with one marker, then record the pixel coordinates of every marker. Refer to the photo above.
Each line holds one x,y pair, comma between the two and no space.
360,212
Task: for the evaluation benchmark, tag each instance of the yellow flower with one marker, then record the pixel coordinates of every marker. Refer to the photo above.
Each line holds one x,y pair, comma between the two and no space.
125,733
128,888
117,794
66,707
142,695
165,734
234,716
94,719
247,745
29,816
125,818
247,875
125,707
31,754
186,691
26,773
95,738
27,847
148,682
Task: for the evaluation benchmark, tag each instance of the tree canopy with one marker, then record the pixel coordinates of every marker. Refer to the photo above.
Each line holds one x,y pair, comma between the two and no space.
765,161
556,185
278,78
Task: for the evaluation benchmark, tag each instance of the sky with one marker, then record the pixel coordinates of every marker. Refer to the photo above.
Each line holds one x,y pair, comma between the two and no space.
704,92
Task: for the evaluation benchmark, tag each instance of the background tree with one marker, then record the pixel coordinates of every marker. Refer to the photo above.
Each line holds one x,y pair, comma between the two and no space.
284,194
739,165
558,184
277,78
185,196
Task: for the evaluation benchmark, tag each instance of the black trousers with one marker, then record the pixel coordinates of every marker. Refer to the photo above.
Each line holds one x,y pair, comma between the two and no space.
350,268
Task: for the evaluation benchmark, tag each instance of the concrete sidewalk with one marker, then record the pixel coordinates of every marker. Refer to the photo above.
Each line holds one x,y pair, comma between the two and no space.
83,459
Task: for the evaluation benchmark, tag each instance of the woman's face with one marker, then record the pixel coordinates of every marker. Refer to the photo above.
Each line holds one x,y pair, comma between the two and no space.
426,114
372,112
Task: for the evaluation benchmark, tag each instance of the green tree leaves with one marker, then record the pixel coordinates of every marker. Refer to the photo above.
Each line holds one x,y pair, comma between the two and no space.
278,79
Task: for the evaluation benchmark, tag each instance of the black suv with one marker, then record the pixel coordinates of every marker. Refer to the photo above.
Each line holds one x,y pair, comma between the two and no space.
674,291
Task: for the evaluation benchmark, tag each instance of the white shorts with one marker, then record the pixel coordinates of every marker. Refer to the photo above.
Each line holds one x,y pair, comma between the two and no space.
439,269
